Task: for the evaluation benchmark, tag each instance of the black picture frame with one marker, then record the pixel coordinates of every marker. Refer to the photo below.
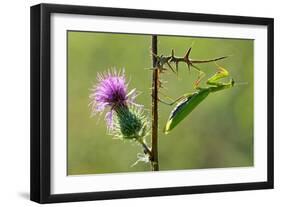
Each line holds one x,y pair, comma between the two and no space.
41,98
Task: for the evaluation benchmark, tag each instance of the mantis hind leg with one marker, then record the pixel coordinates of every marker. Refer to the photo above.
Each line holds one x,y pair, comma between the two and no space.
200,76
199,79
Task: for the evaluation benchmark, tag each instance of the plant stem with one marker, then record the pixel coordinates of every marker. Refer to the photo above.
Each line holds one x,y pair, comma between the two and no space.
155,85
145,148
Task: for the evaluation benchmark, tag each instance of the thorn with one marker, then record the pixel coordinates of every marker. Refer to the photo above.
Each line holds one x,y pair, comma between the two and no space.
163,81
162,69
154,54
189,69
192,44
150,68
171,67
159,84
188,53
196,67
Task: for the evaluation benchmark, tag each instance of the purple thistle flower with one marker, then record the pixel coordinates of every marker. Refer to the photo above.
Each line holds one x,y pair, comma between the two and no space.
111,92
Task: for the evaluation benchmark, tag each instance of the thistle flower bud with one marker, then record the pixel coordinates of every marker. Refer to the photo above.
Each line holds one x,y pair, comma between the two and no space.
129,123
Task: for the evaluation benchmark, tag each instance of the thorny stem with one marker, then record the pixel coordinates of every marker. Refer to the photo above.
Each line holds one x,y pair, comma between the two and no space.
155,85
162,60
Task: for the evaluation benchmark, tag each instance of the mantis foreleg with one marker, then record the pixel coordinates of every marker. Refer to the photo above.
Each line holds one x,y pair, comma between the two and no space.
221,73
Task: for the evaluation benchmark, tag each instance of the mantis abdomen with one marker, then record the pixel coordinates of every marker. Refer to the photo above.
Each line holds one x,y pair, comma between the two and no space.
184,108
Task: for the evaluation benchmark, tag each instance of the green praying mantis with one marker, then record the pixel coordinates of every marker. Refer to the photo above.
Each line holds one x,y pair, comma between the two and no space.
189,101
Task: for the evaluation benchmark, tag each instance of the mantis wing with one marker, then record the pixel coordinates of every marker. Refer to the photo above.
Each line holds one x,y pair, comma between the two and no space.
184,108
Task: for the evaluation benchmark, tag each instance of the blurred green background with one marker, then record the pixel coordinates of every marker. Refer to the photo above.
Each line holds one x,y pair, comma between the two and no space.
217,134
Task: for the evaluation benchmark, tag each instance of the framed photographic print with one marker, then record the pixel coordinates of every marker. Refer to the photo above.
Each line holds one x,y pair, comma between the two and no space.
132,103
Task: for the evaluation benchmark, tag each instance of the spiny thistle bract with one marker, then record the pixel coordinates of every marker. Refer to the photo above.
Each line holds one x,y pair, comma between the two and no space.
129,123
125,119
